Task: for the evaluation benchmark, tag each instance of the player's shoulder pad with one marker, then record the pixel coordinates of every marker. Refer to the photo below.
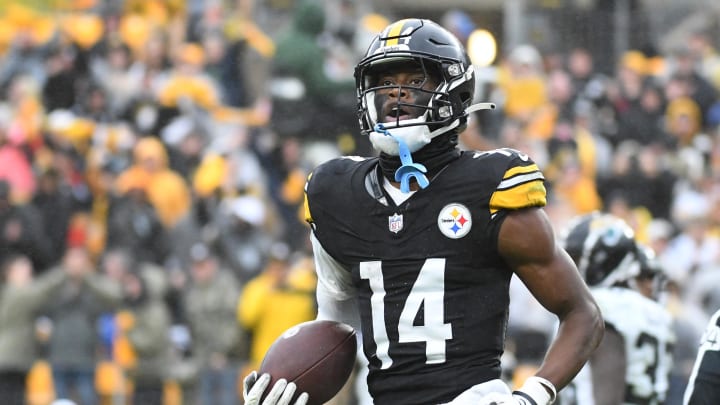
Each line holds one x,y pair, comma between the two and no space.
328,173
327,176
520,183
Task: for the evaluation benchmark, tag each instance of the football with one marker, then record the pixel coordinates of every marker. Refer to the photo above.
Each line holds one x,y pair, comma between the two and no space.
318,356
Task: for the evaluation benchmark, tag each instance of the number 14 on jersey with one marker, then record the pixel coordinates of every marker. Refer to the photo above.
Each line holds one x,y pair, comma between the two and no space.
427,292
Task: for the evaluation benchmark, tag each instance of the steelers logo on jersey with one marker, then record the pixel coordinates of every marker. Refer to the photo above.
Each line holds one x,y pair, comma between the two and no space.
454,221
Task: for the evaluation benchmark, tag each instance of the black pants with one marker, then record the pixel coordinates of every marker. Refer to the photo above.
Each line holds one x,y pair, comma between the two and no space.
149,394
12,387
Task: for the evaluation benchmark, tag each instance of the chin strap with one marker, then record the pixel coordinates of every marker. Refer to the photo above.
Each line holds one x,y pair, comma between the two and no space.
408,169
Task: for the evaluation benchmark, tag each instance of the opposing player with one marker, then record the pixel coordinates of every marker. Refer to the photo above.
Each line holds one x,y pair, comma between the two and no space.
624,277
416,247
704,384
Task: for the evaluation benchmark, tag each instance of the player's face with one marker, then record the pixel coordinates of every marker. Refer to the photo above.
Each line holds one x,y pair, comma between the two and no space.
399,95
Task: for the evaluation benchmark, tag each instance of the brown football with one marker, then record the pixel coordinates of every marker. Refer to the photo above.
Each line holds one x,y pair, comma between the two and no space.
318,356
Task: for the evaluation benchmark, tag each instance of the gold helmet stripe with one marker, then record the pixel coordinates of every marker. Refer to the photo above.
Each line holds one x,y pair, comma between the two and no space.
394,32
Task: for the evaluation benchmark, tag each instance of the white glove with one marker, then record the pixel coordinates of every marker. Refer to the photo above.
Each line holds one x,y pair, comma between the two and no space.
497,398
477,393
496,392
280,394
536,391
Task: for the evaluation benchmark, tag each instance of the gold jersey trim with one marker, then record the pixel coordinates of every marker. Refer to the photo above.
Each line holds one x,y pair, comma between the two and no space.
521,187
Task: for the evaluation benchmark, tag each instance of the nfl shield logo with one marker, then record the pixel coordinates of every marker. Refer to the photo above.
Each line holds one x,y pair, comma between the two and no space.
395,223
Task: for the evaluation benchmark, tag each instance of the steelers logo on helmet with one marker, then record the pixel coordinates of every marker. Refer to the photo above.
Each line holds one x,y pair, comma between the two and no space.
454,221
434,103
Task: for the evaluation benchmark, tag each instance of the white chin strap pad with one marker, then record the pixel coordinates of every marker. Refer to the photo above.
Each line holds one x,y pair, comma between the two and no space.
415,137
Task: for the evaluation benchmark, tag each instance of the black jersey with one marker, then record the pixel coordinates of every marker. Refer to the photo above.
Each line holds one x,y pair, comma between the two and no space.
704,385
432,288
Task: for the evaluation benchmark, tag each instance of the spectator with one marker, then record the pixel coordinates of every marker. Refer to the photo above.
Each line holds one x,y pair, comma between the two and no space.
112,72
93,104
521,81
59,89
587,83
16,168
144,323
187,84
695,247
683,121
133,224
287,173
225,66
210,305
280,297
56,206
166,190
242,236
307,103
704,51
625,92
74,310
24,57
687,68
21,297
22,231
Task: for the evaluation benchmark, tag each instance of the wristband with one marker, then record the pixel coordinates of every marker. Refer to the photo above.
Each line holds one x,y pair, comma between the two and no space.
538,391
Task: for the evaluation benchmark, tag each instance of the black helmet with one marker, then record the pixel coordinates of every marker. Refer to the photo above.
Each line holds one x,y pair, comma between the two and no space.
651,269
604,249
438,53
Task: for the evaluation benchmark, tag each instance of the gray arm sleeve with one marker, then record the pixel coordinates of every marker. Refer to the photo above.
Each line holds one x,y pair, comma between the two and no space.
336,295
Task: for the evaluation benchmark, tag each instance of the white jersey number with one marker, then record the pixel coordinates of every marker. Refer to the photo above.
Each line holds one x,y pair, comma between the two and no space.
427,293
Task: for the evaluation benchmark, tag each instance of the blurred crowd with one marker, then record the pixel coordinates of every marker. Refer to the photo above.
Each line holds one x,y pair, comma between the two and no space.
152,162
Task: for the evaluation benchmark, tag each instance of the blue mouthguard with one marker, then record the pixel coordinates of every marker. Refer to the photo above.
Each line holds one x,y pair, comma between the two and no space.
408,169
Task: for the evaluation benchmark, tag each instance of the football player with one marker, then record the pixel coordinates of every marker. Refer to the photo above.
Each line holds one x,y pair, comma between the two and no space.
704,384
624,277
416,247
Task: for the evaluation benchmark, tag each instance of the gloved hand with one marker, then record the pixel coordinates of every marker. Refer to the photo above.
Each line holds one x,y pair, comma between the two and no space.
497,398
280,394
495,392
479,392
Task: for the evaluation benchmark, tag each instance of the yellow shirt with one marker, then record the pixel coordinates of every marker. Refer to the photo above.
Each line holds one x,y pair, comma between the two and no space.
268,310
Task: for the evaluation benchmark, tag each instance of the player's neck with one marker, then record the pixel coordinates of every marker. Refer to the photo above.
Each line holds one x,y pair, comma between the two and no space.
434,156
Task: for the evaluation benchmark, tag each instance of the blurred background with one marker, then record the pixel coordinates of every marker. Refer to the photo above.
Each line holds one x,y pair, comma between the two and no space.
153,156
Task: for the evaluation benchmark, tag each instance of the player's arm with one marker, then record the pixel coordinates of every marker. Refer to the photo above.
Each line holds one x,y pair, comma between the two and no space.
527,242
335,293
608,364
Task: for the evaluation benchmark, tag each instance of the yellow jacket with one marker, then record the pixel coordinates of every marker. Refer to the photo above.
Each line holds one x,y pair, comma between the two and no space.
166,190
269,305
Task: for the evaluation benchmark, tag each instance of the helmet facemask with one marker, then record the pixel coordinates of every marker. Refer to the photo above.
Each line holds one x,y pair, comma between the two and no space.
413,112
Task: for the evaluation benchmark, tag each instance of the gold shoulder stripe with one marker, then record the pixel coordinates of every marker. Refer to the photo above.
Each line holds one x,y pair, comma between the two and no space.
306,209
529,194
519,179
520,170
306,204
